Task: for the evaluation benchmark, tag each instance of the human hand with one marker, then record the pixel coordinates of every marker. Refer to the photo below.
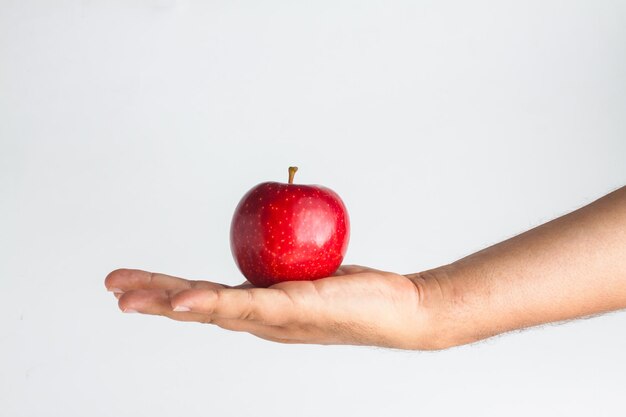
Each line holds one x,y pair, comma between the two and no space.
570,267
357,306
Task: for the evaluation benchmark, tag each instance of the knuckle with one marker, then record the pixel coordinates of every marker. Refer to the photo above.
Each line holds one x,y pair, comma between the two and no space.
212,300
195,284
151,276
248,313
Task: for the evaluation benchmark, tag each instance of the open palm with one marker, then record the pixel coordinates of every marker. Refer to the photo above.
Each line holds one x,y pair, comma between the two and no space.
357,305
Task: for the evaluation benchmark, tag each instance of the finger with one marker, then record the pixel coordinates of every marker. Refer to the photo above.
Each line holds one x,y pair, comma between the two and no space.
155,302
279,340
352,269
265,305
122,280
255,328
245,284
271,333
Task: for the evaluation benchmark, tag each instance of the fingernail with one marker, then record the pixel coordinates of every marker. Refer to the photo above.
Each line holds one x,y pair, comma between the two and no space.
181,308
129,310
116,290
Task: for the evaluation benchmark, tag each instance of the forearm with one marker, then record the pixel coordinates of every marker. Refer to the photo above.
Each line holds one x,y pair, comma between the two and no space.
570,267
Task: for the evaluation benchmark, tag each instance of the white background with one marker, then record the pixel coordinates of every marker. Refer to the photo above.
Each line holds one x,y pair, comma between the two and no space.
130,129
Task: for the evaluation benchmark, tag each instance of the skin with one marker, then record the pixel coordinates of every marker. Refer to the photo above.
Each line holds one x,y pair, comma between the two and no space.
571,267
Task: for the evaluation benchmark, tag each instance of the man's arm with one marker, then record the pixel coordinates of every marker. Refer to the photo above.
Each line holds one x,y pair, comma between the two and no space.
570,267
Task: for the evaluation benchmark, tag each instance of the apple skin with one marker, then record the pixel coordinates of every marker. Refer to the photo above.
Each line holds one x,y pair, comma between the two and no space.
289,232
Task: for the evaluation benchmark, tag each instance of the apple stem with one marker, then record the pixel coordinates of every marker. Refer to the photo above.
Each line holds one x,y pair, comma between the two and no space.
292,173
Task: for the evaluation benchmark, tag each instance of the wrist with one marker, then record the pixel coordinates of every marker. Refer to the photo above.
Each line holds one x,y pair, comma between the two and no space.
447,319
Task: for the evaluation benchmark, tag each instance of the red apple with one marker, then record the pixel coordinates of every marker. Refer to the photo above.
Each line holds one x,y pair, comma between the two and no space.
289,232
